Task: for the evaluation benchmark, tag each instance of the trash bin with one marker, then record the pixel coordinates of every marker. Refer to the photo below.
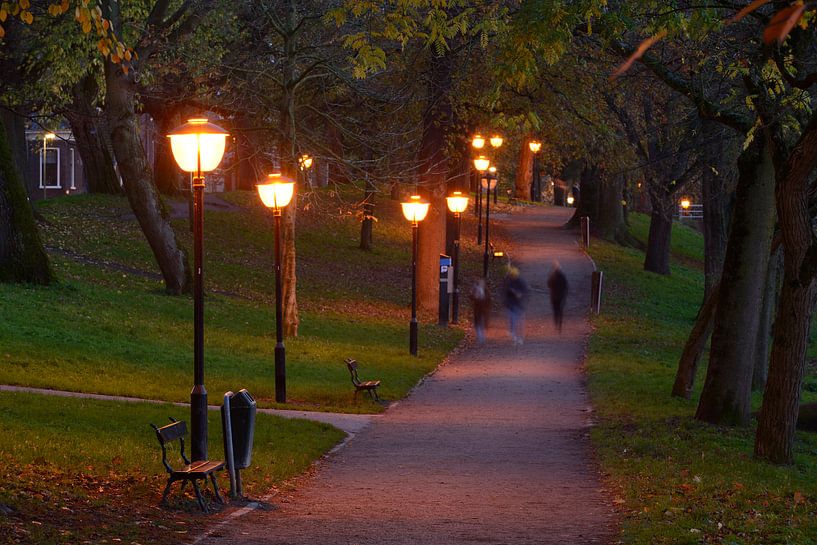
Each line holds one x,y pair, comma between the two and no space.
238,422
242,420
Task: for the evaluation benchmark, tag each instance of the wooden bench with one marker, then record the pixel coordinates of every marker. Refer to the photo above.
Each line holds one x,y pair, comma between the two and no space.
190,472
366,386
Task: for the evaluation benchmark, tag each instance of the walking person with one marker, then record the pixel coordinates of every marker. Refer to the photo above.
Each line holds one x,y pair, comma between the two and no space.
481,301
557,284
515,299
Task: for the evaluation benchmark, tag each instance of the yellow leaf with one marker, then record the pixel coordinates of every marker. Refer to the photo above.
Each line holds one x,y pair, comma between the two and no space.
3,15
25,4
115,58
127,55
2,32
86,26
27,17
64,6
53,10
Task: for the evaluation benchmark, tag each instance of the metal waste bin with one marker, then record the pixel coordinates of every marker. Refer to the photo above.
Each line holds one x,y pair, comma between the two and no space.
238,422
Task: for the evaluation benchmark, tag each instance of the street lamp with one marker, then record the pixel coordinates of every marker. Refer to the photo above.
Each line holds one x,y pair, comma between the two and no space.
481,163
570,200
478,142
198,147
496,141
536,190
305,161
457,203
488,183
276,193
415,211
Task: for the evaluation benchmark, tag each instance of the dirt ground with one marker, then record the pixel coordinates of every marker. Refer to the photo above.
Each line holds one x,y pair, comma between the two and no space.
492,448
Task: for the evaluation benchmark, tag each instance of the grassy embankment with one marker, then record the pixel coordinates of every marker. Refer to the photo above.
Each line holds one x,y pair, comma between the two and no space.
75,470
680,481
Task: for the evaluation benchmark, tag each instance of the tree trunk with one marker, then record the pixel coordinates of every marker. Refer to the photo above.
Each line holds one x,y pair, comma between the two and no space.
433,171
781,398
610,223
588,202
524,172
289,168
718,194
694,348
657,257
22,256
727,390
137,179
767,311
92,138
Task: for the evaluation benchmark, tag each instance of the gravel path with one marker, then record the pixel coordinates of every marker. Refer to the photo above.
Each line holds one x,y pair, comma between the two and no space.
492,448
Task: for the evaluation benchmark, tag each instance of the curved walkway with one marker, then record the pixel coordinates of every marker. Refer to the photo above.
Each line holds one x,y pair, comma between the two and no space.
492,448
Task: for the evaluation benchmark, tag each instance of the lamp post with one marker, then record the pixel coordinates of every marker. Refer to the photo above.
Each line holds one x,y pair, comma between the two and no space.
415,211
481,163
488,183
198,147
535,190
477,142
457,203
276,193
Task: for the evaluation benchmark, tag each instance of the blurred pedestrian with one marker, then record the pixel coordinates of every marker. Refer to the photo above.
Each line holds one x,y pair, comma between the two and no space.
557,284
482,308
515,299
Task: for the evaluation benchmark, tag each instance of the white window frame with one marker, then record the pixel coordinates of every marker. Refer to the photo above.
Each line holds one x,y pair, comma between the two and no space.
42,169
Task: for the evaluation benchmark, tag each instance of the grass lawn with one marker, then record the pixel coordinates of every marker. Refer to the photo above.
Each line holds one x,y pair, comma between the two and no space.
679,481
77,471
85,471
109,328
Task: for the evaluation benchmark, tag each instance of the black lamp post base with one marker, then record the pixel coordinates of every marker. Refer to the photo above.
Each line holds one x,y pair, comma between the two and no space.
198,423
413,337
280,374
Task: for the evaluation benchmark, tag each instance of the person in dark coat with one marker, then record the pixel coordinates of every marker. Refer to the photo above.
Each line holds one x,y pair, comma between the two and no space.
482,308
515,299
557,284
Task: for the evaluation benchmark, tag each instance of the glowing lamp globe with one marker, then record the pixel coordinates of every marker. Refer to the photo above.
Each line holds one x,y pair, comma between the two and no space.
482,163
415,209
535,146
570,200
492,169
685,204
489,183
478,141
198,145
457,202
496,141
305,161
276,191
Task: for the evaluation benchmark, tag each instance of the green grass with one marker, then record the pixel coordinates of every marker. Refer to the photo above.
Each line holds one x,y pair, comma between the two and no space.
679,481
109,328
78,470
86,471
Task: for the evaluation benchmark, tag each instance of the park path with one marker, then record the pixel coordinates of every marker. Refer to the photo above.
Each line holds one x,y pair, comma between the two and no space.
492,448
